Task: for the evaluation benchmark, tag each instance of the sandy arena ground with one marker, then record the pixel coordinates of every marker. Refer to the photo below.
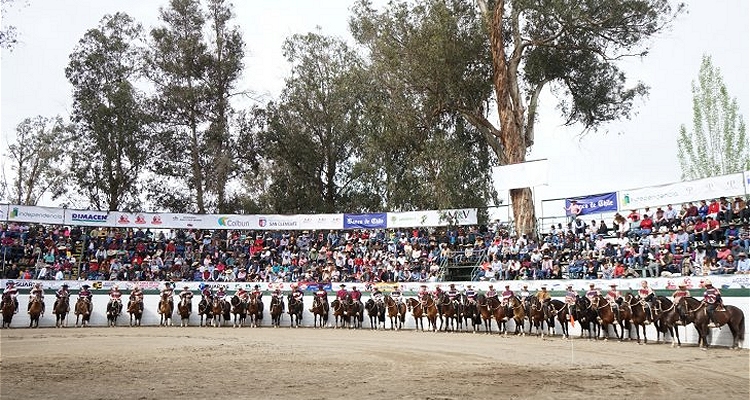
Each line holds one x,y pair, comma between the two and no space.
267,363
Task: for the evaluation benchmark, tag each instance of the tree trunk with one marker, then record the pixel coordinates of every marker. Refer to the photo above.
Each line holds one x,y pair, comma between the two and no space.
510,110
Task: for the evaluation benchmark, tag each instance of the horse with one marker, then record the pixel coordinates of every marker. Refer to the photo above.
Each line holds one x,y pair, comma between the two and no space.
166,308
184,308
114,308
253,308
667,318
396,312
585,314
82,310
485,312
276,307
538,313
638,316
239,309
696,311
320,310
135,309
558,310
376,312
606,316
519,314
417,311
205,310
499,313
61,310
470,311
35,312
341,318
9,309
221,310
355,311
295,311
449,313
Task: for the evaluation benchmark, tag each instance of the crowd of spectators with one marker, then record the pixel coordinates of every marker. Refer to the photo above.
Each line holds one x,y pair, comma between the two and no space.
706,238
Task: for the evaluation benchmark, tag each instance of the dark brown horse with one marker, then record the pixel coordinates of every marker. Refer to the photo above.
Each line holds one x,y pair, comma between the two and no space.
667,319
417,311
61,309
114,308
222,311
558,311
471,313
35,312
166,308
605,315
341,318
296,306
205,311
276,308
537,315
135,309
636,307
519,314
253,308
355,310
376,312
586,316
9,309
696,311
184,309
239,309
449,314
396,312
82,310
487,308
320,311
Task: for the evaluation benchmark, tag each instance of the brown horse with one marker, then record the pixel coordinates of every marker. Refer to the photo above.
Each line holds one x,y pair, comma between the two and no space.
166,308
35,311
184,309
487,306
239,309
82,310
396,312
135,309
537,315
355,310
252,311
605,315
320,310
205,311
696,311
635,307
667,318
296,306
221,311
61,310
341,318
519,314
417,311
276,308
376,312
9,308
449,314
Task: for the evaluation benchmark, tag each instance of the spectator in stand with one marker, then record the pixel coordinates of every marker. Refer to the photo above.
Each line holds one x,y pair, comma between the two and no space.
703,210
660,220
634,216
731,235
743,264
671,215
691,213
574,210
681,239
646,225
714,209
701,229
713,231
728,265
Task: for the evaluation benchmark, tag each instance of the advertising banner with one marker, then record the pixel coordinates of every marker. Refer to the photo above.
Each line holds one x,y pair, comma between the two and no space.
593,204
3,212
86,217
365,221
521,175
39,215
683,192
409,219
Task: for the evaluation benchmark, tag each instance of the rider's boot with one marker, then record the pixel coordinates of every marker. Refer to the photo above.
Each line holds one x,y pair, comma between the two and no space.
16,301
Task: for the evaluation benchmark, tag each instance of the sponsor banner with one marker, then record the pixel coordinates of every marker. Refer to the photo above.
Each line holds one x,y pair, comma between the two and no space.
160,220
593,204
410,219
683,192
39,215
86,217
521,175
321,221
365,221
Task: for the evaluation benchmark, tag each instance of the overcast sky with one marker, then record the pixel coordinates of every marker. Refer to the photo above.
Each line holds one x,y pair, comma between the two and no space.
624,155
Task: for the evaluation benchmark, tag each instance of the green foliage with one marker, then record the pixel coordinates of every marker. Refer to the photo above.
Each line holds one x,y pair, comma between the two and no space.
112,140
718,142
37,157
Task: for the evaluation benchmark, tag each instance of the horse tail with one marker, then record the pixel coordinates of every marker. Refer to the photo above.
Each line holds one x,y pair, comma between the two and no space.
741,327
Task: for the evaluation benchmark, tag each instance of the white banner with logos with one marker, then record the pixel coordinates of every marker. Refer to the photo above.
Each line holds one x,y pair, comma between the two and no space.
409,219
86,217
160,220
683,192
35,214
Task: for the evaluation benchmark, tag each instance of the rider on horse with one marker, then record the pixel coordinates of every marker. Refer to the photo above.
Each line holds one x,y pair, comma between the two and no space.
614,297
36,293
396,295
543,295
206,292
422,292
186,293
322,295
471,294
276,293
342,293
221,292
647,296
593,294
506,295
356,294
297,293
114,295
570,298
85,293
63,293
525,297
11,292
377,295
135,295
680,293
438,292
453,294
168,294
257,293
712,298
242,294
491,292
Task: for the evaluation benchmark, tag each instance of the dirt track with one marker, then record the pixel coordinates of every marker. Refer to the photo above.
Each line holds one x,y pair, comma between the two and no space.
224,363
